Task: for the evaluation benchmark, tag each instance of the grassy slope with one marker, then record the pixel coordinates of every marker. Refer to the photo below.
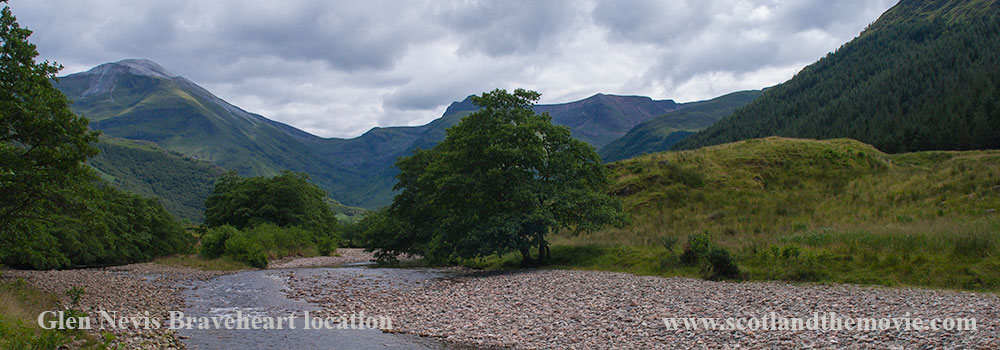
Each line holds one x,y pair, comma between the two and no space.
790,209
181,183
20,305
660,133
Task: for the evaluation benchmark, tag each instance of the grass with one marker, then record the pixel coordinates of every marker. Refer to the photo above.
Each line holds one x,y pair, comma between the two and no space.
805,210
222,263
20,305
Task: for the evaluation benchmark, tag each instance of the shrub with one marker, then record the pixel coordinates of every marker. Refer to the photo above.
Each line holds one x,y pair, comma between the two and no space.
241,247
716,262
719,264
213,242
325,246
280,242
698,246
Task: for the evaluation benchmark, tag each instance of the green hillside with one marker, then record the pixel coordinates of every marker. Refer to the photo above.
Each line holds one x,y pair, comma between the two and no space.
792,209
181,183
661,133
923,77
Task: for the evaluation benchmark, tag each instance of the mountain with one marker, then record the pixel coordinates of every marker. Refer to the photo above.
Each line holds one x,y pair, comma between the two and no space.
140,100
924,76
661,133
601,118
142,167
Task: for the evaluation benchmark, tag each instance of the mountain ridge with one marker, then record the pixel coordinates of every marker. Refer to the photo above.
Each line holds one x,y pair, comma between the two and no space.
140,100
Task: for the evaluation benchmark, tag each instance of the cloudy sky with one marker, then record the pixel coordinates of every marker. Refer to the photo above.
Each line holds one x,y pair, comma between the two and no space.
338,68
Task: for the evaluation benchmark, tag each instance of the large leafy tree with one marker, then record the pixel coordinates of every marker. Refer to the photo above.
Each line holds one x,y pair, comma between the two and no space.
502,179
285,200
54,212
42,143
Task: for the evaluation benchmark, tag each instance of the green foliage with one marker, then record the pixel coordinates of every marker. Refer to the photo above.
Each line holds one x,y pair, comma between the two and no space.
280,242
42,143
697,248
923,77
104,227
719,264
243,247
53,212
285,200
213,242
500,181
806,210
144,168
668,242
661,133
265,240
715,262
20,305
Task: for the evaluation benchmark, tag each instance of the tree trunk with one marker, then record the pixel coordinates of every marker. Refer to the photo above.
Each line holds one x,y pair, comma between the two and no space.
543,250
526,257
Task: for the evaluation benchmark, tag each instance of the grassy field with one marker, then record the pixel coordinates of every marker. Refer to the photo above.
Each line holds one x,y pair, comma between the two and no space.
805,210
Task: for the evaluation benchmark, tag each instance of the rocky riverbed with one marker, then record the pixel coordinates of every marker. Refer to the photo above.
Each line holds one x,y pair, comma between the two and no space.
547,308
130,290
134,289
590,309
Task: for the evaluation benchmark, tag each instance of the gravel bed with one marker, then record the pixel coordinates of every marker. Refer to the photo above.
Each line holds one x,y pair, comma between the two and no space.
344,256
590,309
131,290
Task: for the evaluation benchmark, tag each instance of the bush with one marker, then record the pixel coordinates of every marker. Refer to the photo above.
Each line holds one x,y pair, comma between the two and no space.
697,248
325,246
241,247
716,262
719,264
280,242
213,242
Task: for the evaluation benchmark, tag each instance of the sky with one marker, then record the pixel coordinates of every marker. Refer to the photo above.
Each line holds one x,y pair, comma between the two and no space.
339,68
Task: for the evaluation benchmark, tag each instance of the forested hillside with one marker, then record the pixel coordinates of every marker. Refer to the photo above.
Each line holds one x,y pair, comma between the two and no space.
923,77
181,183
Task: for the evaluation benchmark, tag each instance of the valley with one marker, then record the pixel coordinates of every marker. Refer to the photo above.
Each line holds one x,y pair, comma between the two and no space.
865,187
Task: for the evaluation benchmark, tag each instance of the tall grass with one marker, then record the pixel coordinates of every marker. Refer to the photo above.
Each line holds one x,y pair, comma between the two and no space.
804,210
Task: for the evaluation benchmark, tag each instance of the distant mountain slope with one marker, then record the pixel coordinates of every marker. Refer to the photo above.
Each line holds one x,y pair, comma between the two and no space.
140,100
142,167
925,76
601,118
661,133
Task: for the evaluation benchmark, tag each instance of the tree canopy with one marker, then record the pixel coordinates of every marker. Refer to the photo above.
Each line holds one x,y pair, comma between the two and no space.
42,143
502,179
54,211
285,200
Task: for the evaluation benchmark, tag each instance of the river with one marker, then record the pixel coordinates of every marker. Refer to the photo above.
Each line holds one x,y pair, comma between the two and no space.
262,293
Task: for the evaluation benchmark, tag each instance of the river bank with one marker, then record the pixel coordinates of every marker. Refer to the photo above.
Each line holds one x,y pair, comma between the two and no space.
530,308
591,309
129,290
133,290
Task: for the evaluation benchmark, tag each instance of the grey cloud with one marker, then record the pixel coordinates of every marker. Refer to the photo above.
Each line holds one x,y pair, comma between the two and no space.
651,21
500,28
337,67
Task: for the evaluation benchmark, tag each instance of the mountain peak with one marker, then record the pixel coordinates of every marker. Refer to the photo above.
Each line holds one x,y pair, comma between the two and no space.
464,105
135,66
